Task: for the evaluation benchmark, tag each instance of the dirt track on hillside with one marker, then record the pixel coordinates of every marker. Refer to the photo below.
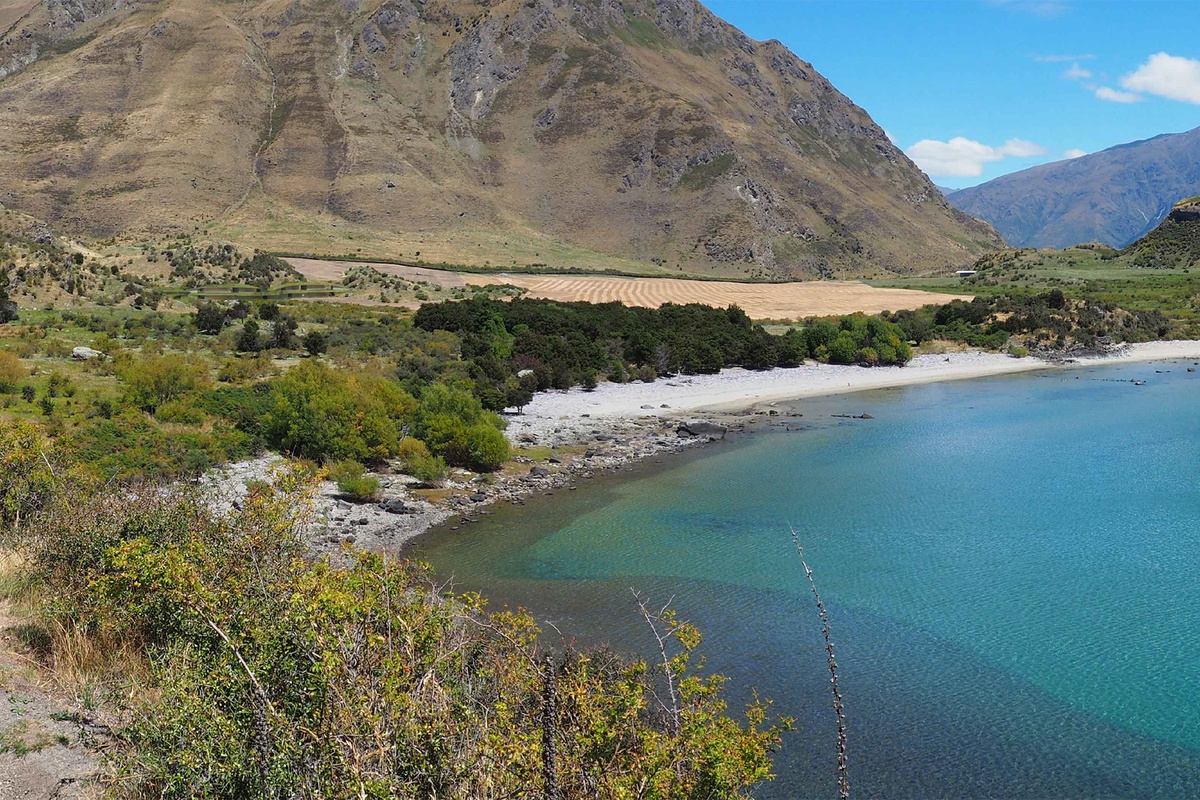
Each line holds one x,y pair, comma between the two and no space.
759,300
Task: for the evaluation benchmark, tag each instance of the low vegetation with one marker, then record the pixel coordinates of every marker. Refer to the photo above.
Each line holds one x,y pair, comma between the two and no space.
526,345
1047,321
248,669
1157,278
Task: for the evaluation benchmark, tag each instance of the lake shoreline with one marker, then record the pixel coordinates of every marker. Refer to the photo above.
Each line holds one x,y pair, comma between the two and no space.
563,439
973,542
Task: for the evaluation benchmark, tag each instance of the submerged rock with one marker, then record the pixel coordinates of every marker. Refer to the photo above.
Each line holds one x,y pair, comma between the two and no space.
697,427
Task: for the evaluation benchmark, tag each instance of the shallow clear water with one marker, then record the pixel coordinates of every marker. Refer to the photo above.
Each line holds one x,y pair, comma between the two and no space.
1011,567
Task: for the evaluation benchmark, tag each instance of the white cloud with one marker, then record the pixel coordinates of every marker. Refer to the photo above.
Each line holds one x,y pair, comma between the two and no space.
1021,148
1075,152
964,158
1173,77
1061,59
1077,73
1114,96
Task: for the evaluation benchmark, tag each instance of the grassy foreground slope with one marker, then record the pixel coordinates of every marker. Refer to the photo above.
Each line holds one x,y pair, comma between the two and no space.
230,665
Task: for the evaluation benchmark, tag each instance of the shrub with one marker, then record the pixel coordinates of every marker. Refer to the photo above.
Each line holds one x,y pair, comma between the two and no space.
11,371
131,445
454,425
1017,351
210,318
31,475
151,382
181,412
416,460
328,414
279,676
351,482
236,370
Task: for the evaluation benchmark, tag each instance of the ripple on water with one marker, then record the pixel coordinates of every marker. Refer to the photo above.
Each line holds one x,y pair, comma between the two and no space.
1010,566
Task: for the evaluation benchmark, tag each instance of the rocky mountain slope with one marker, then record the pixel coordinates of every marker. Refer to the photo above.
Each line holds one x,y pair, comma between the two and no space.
644,134
1174,244
1114,196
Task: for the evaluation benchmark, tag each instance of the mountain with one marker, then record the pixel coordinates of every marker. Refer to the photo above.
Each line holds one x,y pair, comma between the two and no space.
1174,244
642,134
1114,196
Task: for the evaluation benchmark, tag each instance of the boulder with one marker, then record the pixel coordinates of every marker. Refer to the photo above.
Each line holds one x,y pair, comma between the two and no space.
394,505
85,354
539,472
697,427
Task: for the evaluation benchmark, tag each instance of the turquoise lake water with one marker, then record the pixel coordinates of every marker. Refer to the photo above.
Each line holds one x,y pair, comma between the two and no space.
1011,568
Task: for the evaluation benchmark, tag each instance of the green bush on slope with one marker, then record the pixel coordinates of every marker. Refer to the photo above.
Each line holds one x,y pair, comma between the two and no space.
275,675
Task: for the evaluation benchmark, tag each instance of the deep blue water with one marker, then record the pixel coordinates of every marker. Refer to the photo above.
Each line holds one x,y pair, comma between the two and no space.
1011,568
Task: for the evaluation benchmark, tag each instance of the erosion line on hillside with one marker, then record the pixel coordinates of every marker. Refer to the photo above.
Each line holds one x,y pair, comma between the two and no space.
843,773
256,179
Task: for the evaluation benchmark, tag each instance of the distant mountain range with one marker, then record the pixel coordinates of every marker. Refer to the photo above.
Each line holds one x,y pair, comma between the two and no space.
642,134
1114,196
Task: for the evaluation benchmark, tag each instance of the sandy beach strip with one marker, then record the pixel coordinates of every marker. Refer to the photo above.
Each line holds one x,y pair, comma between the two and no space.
737,389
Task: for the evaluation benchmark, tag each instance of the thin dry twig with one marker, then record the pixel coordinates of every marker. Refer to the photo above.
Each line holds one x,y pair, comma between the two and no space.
549,731
651,619
843,773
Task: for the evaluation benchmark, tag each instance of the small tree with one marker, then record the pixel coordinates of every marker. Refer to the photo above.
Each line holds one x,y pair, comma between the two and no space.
282,334
8,309
248,340
314,342
210,318
329,414
519,391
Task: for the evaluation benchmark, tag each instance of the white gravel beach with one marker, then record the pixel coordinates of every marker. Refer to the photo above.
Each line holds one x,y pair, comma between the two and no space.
580,434
739,389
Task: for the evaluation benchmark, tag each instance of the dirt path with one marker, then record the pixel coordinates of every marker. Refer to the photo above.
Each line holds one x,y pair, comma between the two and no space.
760,300
44,743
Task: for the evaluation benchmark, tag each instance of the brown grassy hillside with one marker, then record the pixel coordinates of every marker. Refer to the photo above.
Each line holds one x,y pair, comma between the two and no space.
643,135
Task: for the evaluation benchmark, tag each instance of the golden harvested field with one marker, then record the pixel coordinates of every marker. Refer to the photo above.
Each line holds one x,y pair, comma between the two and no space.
759,300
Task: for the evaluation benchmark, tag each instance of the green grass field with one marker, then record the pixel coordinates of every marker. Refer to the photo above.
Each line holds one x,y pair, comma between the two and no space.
1083,271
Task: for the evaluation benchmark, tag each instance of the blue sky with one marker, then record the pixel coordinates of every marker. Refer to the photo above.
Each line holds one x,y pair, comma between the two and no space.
973,89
